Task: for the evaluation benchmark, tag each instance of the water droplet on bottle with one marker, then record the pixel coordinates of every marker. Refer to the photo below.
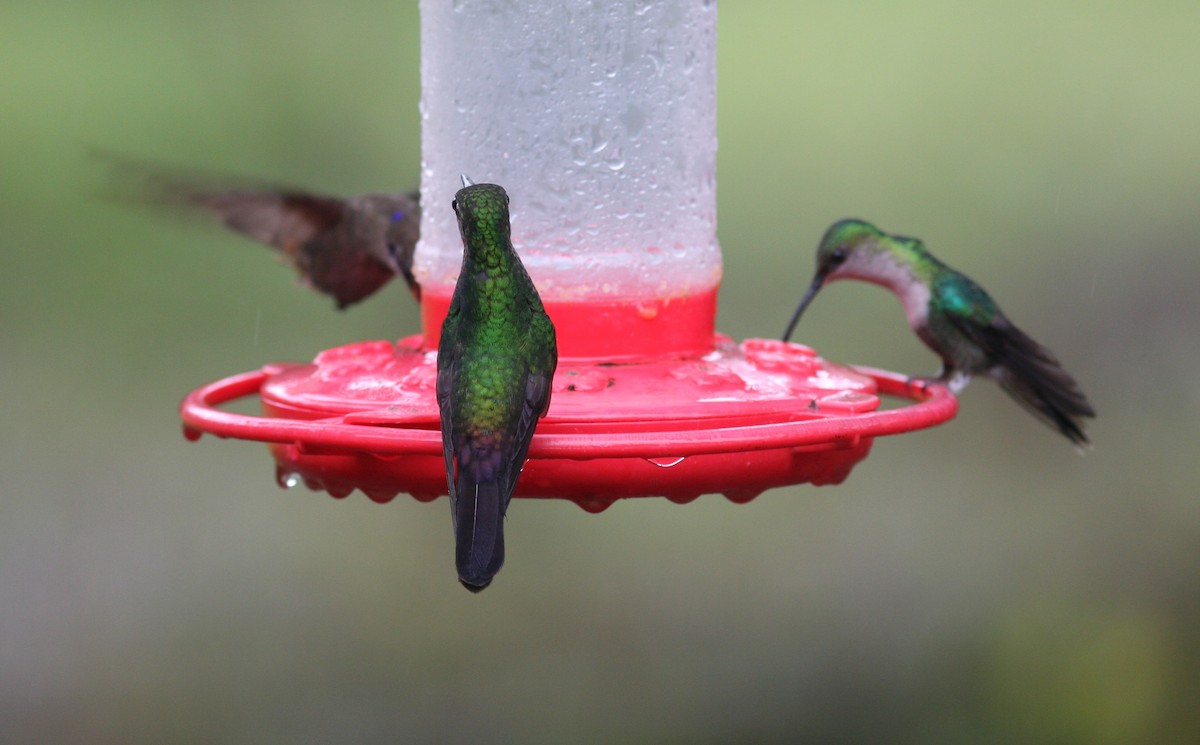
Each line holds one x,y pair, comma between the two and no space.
649,311
655,60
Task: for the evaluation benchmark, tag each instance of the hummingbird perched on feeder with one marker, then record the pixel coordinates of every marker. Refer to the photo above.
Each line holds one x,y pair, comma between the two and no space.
955,318
343,247
496,361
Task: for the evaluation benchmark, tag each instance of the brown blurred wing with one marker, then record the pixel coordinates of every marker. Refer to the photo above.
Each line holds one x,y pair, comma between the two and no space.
286,220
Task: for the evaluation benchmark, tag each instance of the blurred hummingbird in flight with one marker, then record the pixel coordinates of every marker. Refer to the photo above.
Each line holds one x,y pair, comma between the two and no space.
495,365
343,247
955,318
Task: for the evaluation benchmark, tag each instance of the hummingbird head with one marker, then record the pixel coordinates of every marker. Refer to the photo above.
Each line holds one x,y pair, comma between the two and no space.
401,232
849,248
388,226
482,211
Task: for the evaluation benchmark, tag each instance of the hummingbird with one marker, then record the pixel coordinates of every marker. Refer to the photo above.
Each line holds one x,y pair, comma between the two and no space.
495,364
955,318
343,247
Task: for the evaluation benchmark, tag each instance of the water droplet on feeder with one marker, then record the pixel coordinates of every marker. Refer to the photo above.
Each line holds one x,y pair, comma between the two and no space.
286,479
741,496
380,496
595,505
191,433
665,462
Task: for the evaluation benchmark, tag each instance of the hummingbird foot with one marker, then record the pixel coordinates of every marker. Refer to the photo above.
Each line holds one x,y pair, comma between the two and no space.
921,385
955,380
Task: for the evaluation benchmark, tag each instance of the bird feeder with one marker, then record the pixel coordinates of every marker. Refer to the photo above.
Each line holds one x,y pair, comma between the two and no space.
599,119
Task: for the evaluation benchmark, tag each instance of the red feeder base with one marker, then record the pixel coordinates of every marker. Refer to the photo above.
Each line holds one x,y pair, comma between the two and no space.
736,419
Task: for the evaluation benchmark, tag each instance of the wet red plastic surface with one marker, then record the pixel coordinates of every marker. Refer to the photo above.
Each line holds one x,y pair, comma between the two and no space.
736,420
617,330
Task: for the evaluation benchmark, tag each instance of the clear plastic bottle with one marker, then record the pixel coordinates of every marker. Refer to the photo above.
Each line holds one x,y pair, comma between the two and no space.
599,118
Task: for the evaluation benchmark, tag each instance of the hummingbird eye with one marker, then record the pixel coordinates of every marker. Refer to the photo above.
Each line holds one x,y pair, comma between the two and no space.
838,256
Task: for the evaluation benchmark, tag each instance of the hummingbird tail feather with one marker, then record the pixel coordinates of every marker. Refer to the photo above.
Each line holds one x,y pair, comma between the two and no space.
1045,404
1033,376
479,531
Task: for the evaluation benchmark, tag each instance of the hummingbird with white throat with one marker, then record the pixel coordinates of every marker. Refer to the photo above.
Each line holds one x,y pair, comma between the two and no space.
956,318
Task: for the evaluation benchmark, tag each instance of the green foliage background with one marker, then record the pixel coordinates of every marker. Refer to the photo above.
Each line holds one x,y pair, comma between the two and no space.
976,583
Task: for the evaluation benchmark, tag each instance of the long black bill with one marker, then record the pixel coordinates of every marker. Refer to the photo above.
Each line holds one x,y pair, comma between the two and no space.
808,296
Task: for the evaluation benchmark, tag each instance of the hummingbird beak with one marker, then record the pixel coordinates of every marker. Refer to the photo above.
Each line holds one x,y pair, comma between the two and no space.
808,296
466,181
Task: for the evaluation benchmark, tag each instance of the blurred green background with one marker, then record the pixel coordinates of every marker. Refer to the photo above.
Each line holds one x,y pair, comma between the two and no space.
976,583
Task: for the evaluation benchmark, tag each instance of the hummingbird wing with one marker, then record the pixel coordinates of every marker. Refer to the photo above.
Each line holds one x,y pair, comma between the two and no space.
1026,370
447,373
284,219
331,242
279,216
542,359
474,481
534,405
324,238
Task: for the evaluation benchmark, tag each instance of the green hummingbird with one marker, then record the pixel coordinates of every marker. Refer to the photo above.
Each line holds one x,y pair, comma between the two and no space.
955,318
496,361
345,247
